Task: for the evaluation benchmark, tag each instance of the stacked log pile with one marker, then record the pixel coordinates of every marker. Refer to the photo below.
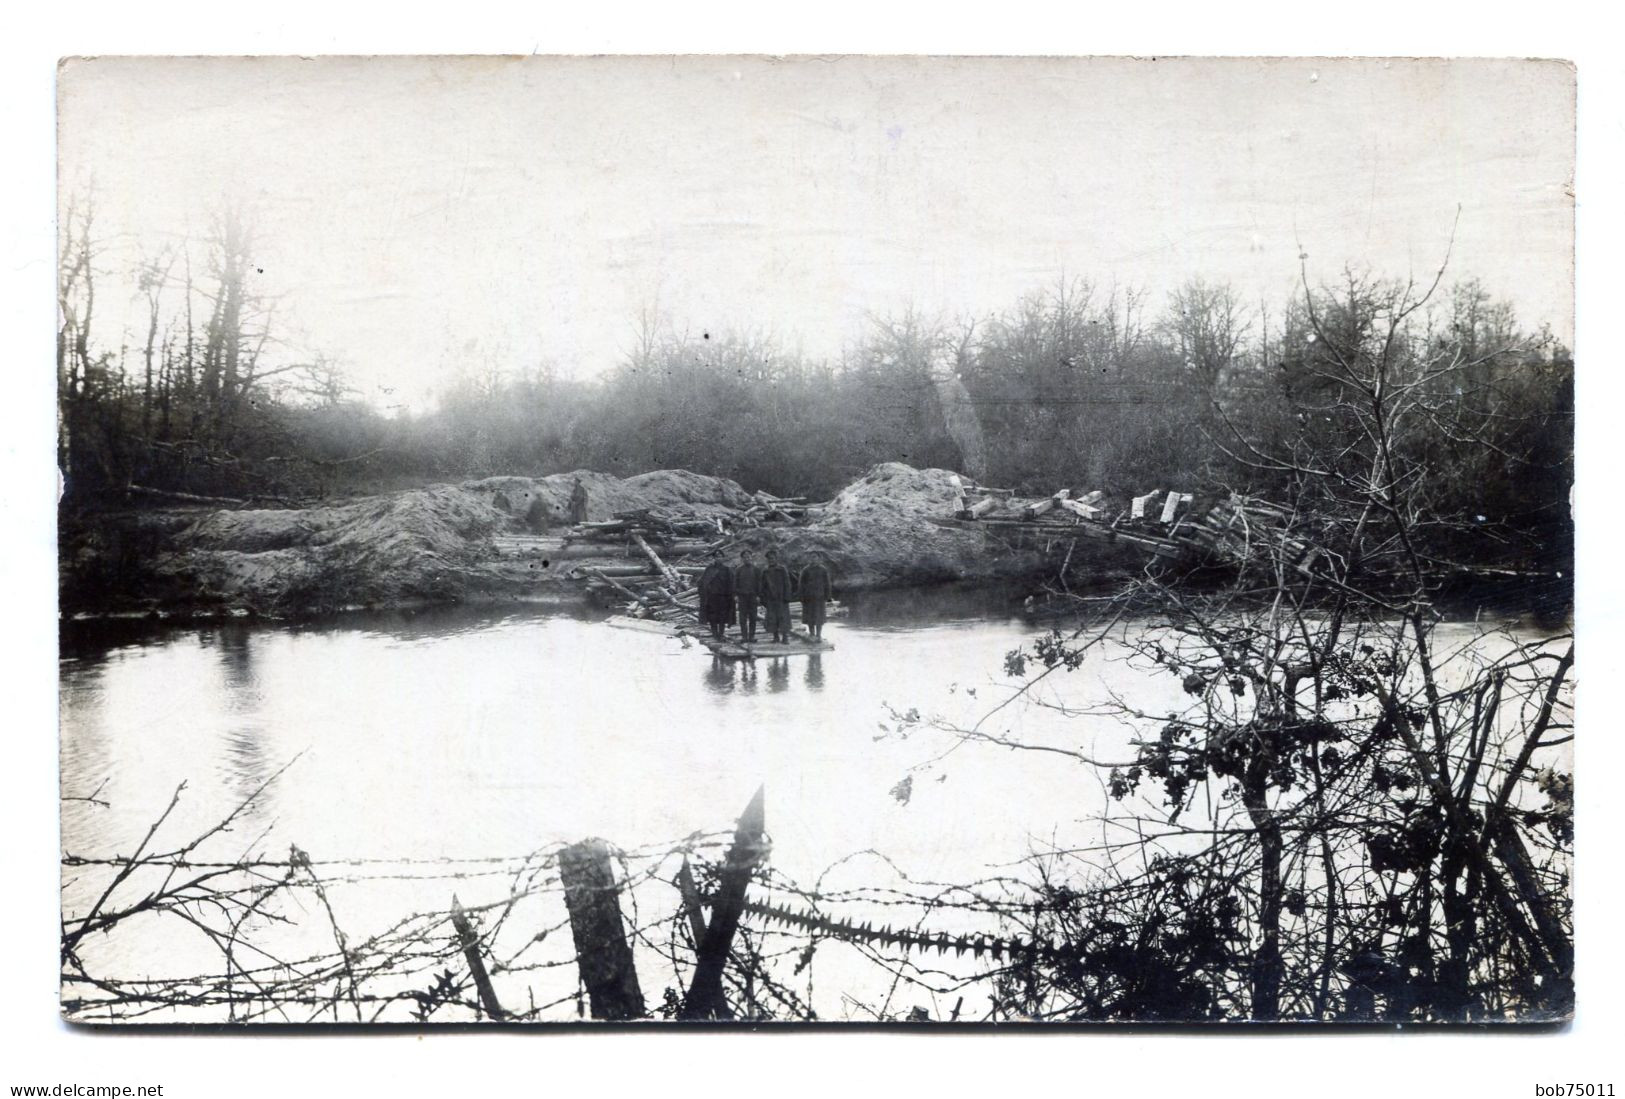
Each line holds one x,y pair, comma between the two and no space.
1171,524
1239,527
682,535
666,556
782,510
647,585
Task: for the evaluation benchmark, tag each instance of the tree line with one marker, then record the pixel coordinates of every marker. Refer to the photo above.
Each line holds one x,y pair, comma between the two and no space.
1354,812
1079,384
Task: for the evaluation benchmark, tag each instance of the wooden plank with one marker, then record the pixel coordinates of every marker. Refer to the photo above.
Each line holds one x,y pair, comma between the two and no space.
1033,511
800,645
1081,509
1170,507
643,625
980,508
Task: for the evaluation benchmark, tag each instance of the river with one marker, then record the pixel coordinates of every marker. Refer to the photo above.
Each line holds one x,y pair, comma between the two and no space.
468,733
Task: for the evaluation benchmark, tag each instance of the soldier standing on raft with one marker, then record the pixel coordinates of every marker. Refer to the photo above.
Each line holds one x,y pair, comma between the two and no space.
747,582
776,597
717,595
578,503
817,589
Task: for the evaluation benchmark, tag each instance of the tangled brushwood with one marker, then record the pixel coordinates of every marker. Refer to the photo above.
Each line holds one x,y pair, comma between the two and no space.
1360,811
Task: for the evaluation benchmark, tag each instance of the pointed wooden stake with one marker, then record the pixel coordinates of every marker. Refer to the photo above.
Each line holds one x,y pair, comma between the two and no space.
705,999
691,902
470,943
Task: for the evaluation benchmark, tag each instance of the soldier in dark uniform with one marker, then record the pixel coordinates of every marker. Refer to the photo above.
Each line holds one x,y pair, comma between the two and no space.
776,597
539,516
717,596
747,585
817,589
578,503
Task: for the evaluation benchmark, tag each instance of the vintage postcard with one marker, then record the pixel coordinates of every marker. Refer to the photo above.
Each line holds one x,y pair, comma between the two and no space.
839,540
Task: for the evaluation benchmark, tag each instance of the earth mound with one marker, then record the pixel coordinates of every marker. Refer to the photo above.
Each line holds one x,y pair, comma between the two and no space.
450,543
670,493
884,530
428,545
379,550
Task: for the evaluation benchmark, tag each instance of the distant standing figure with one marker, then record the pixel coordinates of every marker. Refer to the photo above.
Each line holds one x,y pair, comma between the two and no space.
817,589
540,516
717,596
747,584
578,503
776,597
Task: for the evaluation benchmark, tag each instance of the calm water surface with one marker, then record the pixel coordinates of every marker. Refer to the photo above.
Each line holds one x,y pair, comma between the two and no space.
465,733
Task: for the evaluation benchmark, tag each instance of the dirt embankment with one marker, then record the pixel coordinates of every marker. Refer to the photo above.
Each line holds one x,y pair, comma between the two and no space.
674,493
883,531
456,542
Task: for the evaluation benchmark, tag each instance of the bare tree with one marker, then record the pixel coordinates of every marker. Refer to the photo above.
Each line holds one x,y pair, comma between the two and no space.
1206,328
152,280
1351,817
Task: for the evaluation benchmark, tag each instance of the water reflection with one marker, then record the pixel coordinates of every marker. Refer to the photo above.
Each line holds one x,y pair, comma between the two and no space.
94,640
906,608
778,674
719,677
235,645
245,762
86,758
461,734
724,677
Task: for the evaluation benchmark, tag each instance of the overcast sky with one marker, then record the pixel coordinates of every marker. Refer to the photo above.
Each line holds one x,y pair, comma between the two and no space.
419,216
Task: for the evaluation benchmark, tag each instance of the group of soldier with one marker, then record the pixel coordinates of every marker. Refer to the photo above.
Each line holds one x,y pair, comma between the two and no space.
733,595
541,514
736,594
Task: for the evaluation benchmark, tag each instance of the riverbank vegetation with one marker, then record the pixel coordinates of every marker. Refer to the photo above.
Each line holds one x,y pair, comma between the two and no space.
1081,382
1354,815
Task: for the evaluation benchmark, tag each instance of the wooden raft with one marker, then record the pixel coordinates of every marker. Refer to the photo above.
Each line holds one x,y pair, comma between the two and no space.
731,649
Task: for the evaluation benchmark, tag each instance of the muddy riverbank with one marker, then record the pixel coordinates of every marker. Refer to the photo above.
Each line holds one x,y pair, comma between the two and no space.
506,539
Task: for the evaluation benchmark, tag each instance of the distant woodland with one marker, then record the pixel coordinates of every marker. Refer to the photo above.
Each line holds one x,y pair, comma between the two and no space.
1081,383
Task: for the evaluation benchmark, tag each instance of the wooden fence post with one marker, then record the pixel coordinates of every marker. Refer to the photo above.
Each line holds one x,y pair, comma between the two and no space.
592,894
470,943
705,999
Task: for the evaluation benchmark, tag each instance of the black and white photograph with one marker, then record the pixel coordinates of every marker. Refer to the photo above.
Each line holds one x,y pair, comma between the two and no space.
878,541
